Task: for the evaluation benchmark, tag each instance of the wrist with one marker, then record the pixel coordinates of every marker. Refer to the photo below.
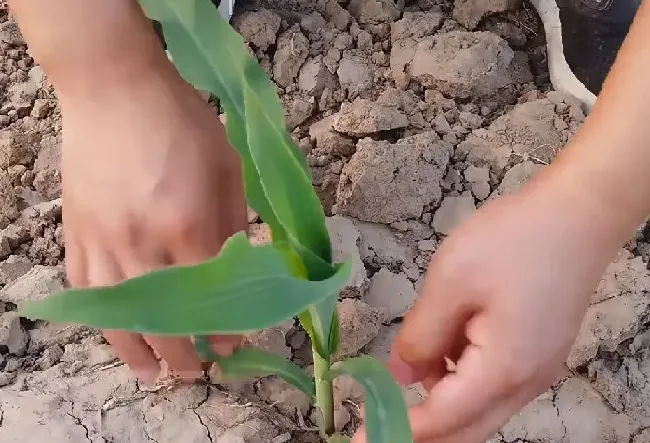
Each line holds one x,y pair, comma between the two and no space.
90,47
586,192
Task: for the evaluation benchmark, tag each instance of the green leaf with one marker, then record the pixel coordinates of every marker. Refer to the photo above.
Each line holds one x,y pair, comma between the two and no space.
338,438
204,348
287,187
245,288
319,324
253,362
386,411
236,131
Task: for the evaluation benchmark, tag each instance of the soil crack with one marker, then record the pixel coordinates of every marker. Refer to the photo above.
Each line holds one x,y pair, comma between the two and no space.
207,429
144,428
79,422
201,403
559,414
638,432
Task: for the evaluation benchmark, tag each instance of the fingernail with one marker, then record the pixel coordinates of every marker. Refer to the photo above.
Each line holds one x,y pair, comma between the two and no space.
403,372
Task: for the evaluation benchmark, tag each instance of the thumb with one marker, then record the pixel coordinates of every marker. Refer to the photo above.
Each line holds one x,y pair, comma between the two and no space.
432,330
480,389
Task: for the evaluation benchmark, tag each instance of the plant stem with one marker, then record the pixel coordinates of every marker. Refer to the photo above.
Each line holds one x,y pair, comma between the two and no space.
324,392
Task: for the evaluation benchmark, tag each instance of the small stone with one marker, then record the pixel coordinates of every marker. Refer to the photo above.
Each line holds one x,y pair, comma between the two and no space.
273,340
555,97
8,200
441,125
462,64
258,27
364,41
452,212
576,113
359,325
291,53
516,176
21,96
50,357
335,14
314,76
5,249
41,108
312,24
469,120
37,284
481,190
298,111
427,245
356,74
14,150
392,294
560,124
286,398
13,268
387,183
469,13
474,174
402,225
13,337
376,11
364,117
7,378
345,238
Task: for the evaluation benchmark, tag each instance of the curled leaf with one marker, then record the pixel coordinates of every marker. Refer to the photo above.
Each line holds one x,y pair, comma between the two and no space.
386,412
252,362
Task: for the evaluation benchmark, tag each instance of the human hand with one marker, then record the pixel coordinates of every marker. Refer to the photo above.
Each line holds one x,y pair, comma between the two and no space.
149,180
504,297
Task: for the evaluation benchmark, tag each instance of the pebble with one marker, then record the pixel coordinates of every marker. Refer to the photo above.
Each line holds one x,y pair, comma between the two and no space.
13,337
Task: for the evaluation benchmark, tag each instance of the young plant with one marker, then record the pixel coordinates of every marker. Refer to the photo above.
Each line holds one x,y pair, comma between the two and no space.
246,288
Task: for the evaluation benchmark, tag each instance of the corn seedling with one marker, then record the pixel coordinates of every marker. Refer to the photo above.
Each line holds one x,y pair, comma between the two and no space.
246,288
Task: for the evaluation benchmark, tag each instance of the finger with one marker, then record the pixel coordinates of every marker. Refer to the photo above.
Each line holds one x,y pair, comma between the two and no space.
493,420
226,344
432,330
129,347
194,247
483,379
178,352
75,261
457,399
135,353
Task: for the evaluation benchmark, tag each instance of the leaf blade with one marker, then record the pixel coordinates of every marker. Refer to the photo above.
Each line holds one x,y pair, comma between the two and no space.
210,298
287,187
255,196
249,362
386,411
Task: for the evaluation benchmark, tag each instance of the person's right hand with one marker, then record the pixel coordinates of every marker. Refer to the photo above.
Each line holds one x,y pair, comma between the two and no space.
504,297
149,180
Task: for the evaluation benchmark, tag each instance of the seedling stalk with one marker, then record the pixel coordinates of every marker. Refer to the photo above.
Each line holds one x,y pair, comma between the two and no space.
324,391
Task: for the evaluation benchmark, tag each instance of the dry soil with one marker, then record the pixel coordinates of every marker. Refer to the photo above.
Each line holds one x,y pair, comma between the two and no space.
411,116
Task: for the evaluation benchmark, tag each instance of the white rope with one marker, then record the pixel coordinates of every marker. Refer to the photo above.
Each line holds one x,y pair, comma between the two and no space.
562,77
